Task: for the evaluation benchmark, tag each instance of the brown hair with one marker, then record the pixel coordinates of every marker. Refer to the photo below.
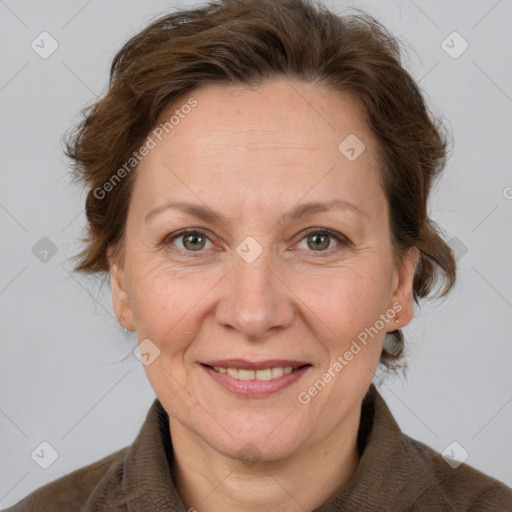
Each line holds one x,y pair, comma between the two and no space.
246,42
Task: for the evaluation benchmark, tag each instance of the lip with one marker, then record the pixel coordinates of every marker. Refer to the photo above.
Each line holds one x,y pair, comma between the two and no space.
244,364
255,388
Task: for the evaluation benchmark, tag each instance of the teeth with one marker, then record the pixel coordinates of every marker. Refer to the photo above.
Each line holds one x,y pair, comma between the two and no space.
246,374
277,372
265,374
233,372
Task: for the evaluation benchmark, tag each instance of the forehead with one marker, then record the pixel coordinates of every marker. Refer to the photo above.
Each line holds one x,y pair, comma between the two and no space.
273,142
280,114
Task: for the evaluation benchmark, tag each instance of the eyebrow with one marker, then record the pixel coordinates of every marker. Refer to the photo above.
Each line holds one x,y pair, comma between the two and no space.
302,210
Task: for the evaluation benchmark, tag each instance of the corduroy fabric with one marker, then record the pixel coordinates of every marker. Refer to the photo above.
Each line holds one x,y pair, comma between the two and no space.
395,473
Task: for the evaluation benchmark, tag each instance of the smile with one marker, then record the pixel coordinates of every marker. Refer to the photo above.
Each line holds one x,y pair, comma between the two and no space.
256,380
264,374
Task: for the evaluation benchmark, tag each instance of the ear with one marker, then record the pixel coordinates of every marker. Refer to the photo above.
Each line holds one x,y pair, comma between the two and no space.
120,297
402,298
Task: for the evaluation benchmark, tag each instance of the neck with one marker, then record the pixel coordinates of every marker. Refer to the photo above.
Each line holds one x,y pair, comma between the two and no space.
208,481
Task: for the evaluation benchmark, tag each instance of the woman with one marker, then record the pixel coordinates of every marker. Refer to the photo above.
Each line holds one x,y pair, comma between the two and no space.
258,176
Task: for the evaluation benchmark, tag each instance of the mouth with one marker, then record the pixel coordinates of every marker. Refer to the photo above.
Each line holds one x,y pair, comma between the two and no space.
255,379
268,373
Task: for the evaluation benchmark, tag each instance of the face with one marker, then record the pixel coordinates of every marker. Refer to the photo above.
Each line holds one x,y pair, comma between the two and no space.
260,283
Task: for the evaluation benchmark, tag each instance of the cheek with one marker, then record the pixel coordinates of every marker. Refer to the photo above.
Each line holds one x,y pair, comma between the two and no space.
163,304
350,308
348,300
352,312
169,304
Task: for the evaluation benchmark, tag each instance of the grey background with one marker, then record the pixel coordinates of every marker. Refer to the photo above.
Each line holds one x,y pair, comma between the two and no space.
67,372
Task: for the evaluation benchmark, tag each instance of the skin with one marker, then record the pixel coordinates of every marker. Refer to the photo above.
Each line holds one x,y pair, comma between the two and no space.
252,154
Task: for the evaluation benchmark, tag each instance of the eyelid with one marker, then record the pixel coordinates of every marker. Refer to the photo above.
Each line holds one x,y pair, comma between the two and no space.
342,240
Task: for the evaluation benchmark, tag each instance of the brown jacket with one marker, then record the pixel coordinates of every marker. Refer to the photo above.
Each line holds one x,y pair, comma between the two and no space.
395,473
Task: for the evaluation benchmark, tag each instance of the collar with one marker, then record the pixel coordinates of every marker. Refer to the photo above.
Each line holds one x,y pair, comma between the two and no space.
148,482
390,476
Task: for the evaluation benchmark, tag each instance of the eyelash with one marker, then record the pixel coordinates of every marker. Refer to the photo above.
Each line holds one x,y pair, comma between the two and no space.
342,240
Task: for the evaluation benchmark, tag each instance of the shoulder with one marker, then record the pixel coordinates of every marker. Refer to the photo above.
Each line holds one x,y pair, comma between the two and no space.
460,487
71,492
410,476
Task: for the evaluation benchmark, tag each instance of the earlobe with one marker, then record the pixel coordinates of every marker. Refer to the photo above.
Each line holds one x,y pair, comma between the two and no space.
403,293
120,297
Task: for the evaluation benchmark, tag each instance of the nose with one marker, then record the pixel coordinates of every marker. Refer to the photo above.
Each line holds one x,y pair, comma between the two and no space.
257,300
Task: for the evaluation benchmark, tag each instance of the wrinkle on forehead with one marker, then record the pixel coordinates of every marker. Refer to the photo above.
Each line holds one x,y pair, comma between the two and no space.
263,145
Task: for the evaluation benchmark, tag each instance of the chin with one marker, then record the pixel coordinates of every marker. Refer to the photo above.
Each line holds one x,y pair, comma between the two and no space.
275,438
250,450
